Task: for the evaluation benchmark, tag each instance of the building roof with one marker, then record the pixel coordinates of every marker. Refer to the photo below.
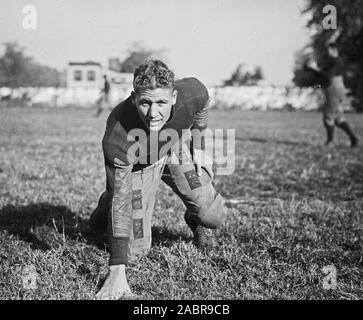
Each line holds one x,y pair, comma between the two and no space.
86,63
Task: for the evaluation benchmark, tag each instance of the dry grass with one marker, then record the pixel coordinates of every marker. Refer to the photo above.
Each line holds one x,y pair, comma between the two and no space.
301,209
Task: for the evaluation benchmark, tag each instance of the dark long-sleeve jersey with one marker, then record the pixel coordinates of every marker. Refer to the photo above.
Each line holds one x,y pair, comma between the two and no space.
332,67
189,112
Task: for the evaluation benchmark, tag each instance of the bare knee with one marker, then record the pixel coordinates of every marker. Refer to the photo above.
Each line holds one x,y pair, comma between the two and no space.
328,122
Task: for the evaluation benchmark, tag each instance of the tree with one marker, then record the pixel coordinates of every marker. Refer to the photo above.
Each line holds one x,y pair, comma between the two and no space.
240,77
20,70
13,66
348,37
138,54
257,75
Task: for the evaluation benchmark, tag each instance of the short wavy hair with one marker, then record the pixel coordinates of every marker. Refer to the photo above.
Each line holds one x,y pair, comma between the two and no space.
153,74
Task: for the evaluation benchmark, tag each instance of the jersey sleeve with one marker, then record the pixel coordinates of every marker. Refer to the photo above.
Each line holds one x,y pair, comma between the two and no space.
200,119
116,143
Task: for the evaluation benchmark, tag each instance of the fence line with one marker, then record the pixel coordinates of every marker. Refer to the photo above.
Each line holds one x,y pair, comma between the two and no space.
243,98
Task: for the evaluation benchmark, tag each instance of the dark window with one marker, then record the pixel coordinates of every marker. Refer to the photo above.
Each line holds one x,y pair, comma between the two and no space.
91,76
77,75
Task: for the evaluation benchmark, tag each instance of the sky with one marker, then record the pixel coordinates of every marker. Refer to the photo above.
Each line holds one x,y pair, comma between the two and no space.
206,39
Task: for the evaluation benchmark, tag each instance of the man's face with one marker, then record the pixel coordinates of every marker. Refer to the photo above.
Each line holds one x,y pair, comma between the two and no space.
154,106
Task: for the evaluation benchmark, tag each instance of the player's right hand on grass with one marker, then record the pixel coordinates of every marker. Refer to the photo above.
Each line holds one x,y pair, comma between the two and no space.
115,285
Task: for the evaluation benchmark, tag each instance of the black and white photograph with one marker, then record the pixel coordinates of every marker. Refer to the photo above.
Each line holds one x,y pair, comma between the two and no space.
204,151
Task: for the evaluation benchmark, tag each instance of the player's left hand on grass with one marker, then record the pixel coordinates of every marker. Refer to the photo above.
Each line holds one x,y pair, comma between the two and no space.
115,285
201,159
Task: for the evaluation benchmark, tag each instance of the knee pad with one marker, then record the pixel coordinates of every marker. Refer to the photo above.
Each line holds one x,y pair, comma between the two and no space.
328,122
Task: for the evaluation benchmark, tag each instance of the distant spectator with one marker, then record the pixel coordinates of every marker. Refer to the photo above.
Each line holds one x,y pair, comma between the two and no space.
104,101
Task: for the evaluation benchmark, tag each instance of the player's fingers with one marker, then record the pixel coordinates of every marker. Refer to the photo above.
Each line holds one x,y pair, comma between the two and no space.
130,296
124,294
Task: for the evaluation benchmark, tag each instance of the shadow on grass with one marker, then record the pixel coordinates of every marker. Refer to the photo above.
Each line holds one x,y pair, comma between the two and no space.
275,141
45,226
166,237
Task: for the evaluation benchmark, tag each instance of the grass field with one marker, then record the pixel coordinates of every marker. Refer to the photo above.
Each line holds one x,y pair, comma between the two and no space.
301,209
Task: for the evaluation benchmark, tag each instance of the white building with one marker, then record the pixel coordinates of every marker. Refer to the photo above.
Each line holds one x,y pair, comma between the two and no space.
90,74
84,75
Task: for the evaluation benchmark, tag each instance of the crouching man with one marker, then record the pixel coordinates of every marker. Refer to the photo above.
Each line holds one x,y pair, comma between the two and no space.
145,142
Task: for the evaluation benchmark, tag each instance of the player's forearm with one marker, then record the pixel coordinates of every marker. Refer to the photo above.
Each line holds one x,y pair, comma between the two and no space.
201,118
198,139
200,123
118,248
119,185
120,222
